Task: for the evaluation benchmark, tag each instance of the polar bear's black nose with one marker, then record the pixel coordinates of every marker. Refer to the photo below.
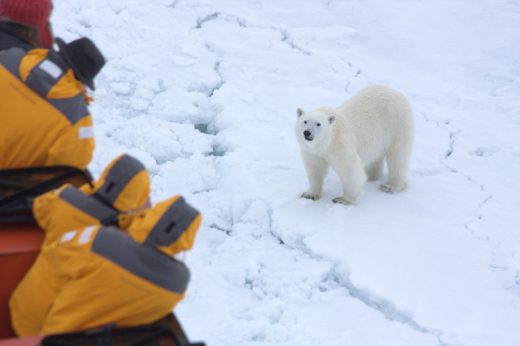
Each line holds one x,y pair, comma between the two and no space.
307,133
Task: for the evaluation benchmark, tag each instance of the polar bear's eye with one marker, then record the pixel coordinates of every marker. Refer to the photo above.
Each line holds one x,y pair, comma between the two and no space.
305,122
318,124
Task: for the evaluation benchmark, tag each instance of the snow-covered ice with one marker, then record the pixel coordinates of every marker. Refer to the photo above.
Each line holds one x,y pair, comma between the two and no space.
204,92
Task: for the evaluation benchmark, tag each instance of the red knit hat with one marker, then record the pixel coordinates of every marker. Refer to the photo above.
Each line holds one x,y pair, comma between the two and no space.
30,12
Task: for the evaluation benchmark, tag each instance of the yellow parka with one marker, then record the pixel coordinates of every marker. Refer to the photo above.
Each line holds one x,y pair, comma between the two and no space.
44,120
66,209
123,186
105,275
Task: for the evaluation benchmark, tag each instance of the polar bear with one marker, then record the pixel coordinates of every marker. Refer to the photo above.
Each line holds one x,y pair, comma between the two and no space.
354,139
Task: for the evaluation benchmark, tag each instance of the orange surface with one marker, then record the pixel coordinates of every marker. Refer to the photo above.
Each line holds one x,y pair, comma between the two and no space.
19,246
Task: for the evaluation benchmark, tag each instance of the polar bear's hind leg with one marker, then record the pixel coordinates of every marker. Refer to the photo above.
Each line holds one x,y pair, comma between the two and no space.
397,161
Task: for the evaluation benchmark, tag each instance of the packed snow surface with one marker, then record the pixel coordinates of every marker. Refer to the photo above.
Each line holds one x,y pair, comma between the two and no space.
205,93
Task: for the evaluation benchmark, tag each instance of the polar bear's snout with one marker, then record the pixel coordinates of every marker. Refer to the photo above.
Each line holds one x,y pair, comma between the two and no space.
311,130
307,134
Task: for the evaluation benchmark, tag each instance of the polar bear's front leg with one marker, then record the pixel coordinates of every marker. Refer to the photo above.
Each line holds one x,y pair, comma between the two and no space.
352,175
316,169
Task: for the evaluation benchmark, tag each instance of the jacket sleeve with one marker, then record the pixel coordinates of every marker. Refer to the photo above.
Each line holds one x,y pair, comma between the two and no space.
54,216
75,147
44,207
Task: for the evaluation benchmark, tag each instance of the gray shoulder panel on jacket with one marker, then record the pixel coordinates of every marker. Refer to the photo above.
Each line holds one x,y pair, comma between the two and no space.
143,261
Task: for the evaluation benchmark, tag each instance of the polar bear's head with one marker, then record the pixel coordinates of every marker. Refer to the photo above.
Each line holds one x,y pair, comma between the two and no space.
314,129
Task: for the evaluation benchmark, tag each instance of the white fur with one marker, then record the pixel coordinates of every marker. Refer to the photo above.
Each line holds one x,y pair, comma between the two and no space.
354,139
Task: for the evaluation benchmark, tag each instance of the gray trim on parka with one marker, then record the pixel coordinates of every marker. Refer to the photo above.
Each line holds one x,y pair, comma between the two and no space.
41,82
174,222
87,204
143,261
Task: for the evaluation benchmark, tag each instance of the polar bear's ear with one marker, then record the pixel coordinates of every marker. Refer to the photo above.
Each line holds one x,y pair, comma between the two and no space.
332,118
299,112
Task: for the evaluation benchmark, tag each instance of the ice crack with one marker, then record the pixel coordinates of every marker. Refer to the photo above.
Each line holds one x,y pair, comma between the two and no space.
221,81
453,134
221,229
391,312
478,216
209,128
286,38
339,276
201,21
171,3
451,145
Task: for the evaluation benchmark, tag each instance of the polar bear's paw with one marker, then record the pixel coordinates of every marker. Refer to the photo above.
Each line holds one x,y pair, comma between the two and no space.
388,188
342,200
310,196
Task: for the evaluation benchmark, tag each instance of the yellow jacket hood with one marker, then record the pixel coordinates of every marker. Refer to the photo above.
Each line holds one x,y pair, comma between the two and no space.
124,184
170,226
